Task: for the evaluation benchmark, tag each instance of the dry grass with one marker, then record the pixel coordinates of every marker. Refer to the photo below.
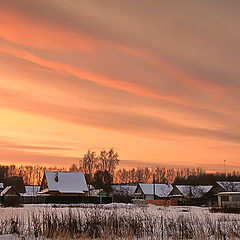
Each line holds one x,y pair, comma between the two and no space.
126,223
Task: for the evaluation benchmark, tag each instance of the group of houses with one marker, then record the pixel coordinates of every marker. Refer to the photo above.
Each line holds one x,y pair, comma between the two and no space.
220,194
64,187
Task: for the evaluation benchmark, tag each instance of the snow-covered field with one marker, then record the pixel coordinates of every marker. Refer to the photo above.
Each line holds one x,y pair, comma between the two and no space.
118,221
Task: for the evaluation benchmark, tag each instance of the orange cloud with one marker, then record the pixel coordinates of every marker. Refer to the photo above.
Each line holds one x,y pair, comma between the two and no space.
42,35
113,83
95,71
178,73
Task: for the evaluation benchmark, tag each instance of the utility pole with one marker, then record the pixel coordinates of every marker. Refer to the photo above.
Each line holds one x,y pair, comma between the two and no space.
153,186
225,169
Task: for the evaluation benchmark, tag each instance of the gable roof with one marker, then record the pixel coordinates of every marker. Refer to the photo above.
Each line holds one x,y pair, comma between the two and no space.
230,186
31,190
1,185
67,182
124,189
193,191
161,190
6,189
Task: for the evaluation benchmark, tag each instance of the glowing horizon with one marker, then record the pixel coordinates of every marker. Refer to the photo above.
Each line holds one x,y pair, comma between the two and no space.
157,81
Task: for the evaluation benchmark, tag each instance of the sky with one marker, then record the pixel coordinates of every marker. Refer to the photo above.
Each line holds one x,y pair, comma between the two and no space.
158,81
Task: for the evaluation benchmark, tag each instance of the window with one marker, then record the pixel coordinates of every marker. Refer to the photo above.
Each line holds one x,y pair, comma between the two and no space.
236,198
224,198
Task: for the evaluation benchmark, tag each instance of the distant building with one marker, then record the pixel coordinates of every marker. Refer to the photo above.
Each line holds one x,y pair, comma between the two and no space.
64,184
125,190
221,186
190,194
31,190
228,199
190,191
229,186
10,197
9,191
16,182
152,191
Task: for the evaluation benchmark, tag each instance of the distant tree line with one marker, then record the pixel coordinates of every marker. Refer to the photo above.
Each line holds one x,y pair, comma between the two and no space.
208,178
30,175
101,171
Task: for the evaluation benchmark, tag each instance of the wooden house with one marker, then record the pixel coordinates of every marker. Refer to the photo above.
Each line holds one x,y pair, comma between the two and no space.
190,194
219,187
228,199
64,184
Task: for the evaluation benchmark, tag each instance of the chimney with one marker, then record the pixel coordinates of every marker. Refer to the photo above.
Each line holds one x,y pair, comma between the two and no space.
56,177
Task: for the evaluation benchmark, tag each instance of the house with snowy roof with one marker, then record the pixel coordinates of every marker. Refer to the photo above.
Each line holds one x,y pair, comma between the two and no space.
192,194
64,184
152,191
190,191
224,186
220,187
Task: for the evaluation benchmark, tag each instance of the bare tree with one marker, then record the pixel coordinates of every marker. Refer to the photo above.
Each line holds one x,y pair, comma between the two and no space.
108,161
88,163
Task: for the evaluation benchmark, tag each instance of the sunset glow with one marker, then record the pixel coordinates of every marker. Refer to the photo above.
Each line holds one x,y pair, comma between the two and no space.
158,81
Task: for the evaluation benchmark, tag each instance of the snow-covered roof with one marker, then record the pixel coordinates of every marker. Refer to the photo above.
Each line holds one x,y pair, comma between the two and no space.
124,189
228,193
161,190
6,189
31,190
1,185
193,191
230,186
66,182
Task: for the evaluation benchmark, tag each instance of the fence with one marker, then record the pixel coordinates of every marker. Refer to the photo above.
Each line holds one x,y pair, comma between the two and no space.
64,199
163,202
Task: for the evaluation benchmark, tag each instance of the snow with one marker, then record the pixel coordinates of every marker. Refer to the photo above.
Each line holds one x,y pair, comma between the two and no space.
67,182
161,190
199,220
228,193
193,191
230,186
5,190
124,189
